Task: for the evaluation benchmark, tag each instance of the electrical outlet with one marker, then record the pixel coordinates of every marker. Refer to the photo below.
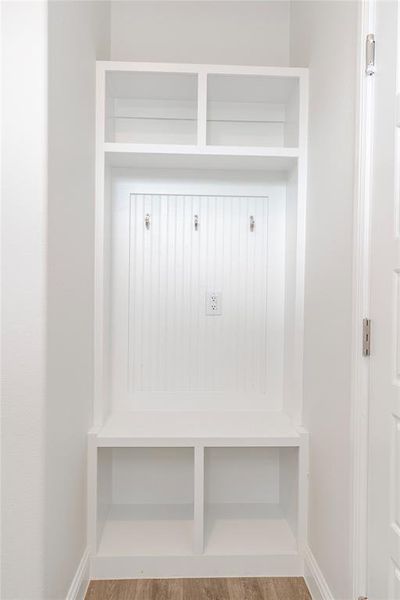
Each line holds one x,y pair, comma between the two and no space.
213,304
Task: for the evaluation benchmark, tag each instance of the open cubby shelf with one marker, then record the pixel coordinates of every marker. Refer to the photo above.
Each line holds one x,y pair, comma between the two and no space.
200,157
215,505
167,530
197,455
258,107
147,530
248,529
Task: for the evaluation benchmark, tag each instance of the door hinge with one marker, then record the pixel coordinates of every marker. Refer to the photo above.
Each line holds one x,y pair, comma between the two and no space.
370,54
366,337
362,598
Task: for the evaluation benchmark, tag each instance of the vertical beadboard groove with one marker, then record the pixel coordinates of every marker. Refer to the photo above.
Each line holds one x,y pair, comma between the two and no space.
164,380
172,345
247,317
131,310
233,296
253,240
265,308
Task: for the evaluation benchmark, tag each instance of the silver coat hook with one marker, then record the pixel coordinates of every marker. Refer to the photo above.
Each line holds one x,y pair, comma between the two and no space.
252,223
147,221
196,222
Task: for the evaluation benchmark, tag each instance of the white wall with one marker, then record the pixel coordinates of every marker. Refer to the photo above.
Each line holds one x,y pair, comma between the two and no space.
24,205
44,430
255,33
78,33
49,53
324,36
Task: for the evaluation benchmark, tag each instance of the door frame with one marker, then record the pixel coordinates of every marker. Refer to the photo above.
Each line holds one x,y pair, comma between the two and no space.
364,153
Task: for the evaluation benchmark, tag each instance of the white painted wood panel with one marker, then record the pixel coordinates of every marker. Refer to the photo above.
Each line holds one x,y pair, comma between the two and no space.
198,508
147,530
245,133
289,477
143,476
394,581
104,463
173,347
242,475
252,111
140,130
223,385
250,529
151,108
290,397
211,428
238,565
220,158
384,383
152,121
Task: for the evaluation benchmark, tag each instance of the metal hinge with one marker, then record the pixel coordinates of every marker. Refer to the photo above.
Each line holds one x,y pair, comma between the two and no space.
362,598
370,54
366,337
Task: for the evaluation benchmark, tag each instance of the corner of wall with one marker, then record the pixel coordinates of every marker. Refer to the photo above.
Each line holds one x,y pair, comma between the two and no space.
315,579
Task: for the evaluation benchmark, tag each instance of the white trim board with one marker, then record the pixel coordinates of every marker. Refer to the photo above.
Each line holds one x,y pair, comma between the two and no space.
361,268
113,65
160,567
80,582
315,580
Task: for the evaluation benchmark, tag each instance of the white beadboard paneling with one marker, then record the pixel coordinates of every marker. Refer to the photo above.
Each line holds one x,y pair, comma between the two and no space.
290,403
190,361
173,345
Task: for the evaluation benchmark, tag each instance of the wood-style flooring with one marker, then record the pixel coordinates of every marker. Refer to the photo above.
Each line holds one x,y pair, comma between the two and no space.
241,588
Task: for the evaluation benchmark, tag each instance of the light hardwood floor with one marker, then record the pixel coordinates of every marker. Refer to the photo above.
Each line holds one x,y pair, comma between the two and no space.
241,588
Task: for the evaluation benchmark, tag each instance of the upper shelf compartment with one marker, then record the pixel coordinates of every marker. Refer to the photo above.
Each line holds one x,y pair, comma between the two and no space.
201,109
151,107
252,110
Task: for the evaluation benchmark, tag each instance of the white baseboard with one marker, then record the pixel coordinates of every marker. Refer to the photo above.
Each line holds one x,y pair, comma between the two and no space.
196,565
315,580
80,582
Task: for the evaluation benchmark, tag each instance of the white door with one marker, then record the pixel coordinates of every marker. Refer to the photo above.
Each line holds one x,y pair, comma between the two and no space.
384,413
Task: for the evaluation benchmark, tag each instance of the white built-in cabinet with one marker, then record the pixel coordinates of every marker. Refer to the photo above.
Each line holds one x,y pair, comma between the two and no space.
197,456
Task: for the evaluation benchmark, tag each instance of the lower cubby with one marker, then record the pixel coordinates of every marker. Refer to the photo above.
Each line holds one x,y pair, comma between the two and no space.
145,501
251,501
197,511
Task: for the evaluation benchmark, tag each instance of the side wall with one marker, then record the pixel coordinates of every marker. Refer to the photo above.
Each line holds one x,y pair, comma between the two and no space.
48,71
24,205
78,33
324,37
252,33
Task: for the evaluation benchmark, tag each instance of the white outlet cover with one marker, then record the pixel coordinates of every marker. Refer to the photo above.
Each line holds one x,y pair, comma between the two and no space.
213,304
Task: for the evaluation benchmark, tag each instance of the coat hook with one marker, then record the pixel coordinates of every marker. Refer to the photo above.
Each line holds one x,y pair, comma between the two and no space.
252,223
147,221
196,222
